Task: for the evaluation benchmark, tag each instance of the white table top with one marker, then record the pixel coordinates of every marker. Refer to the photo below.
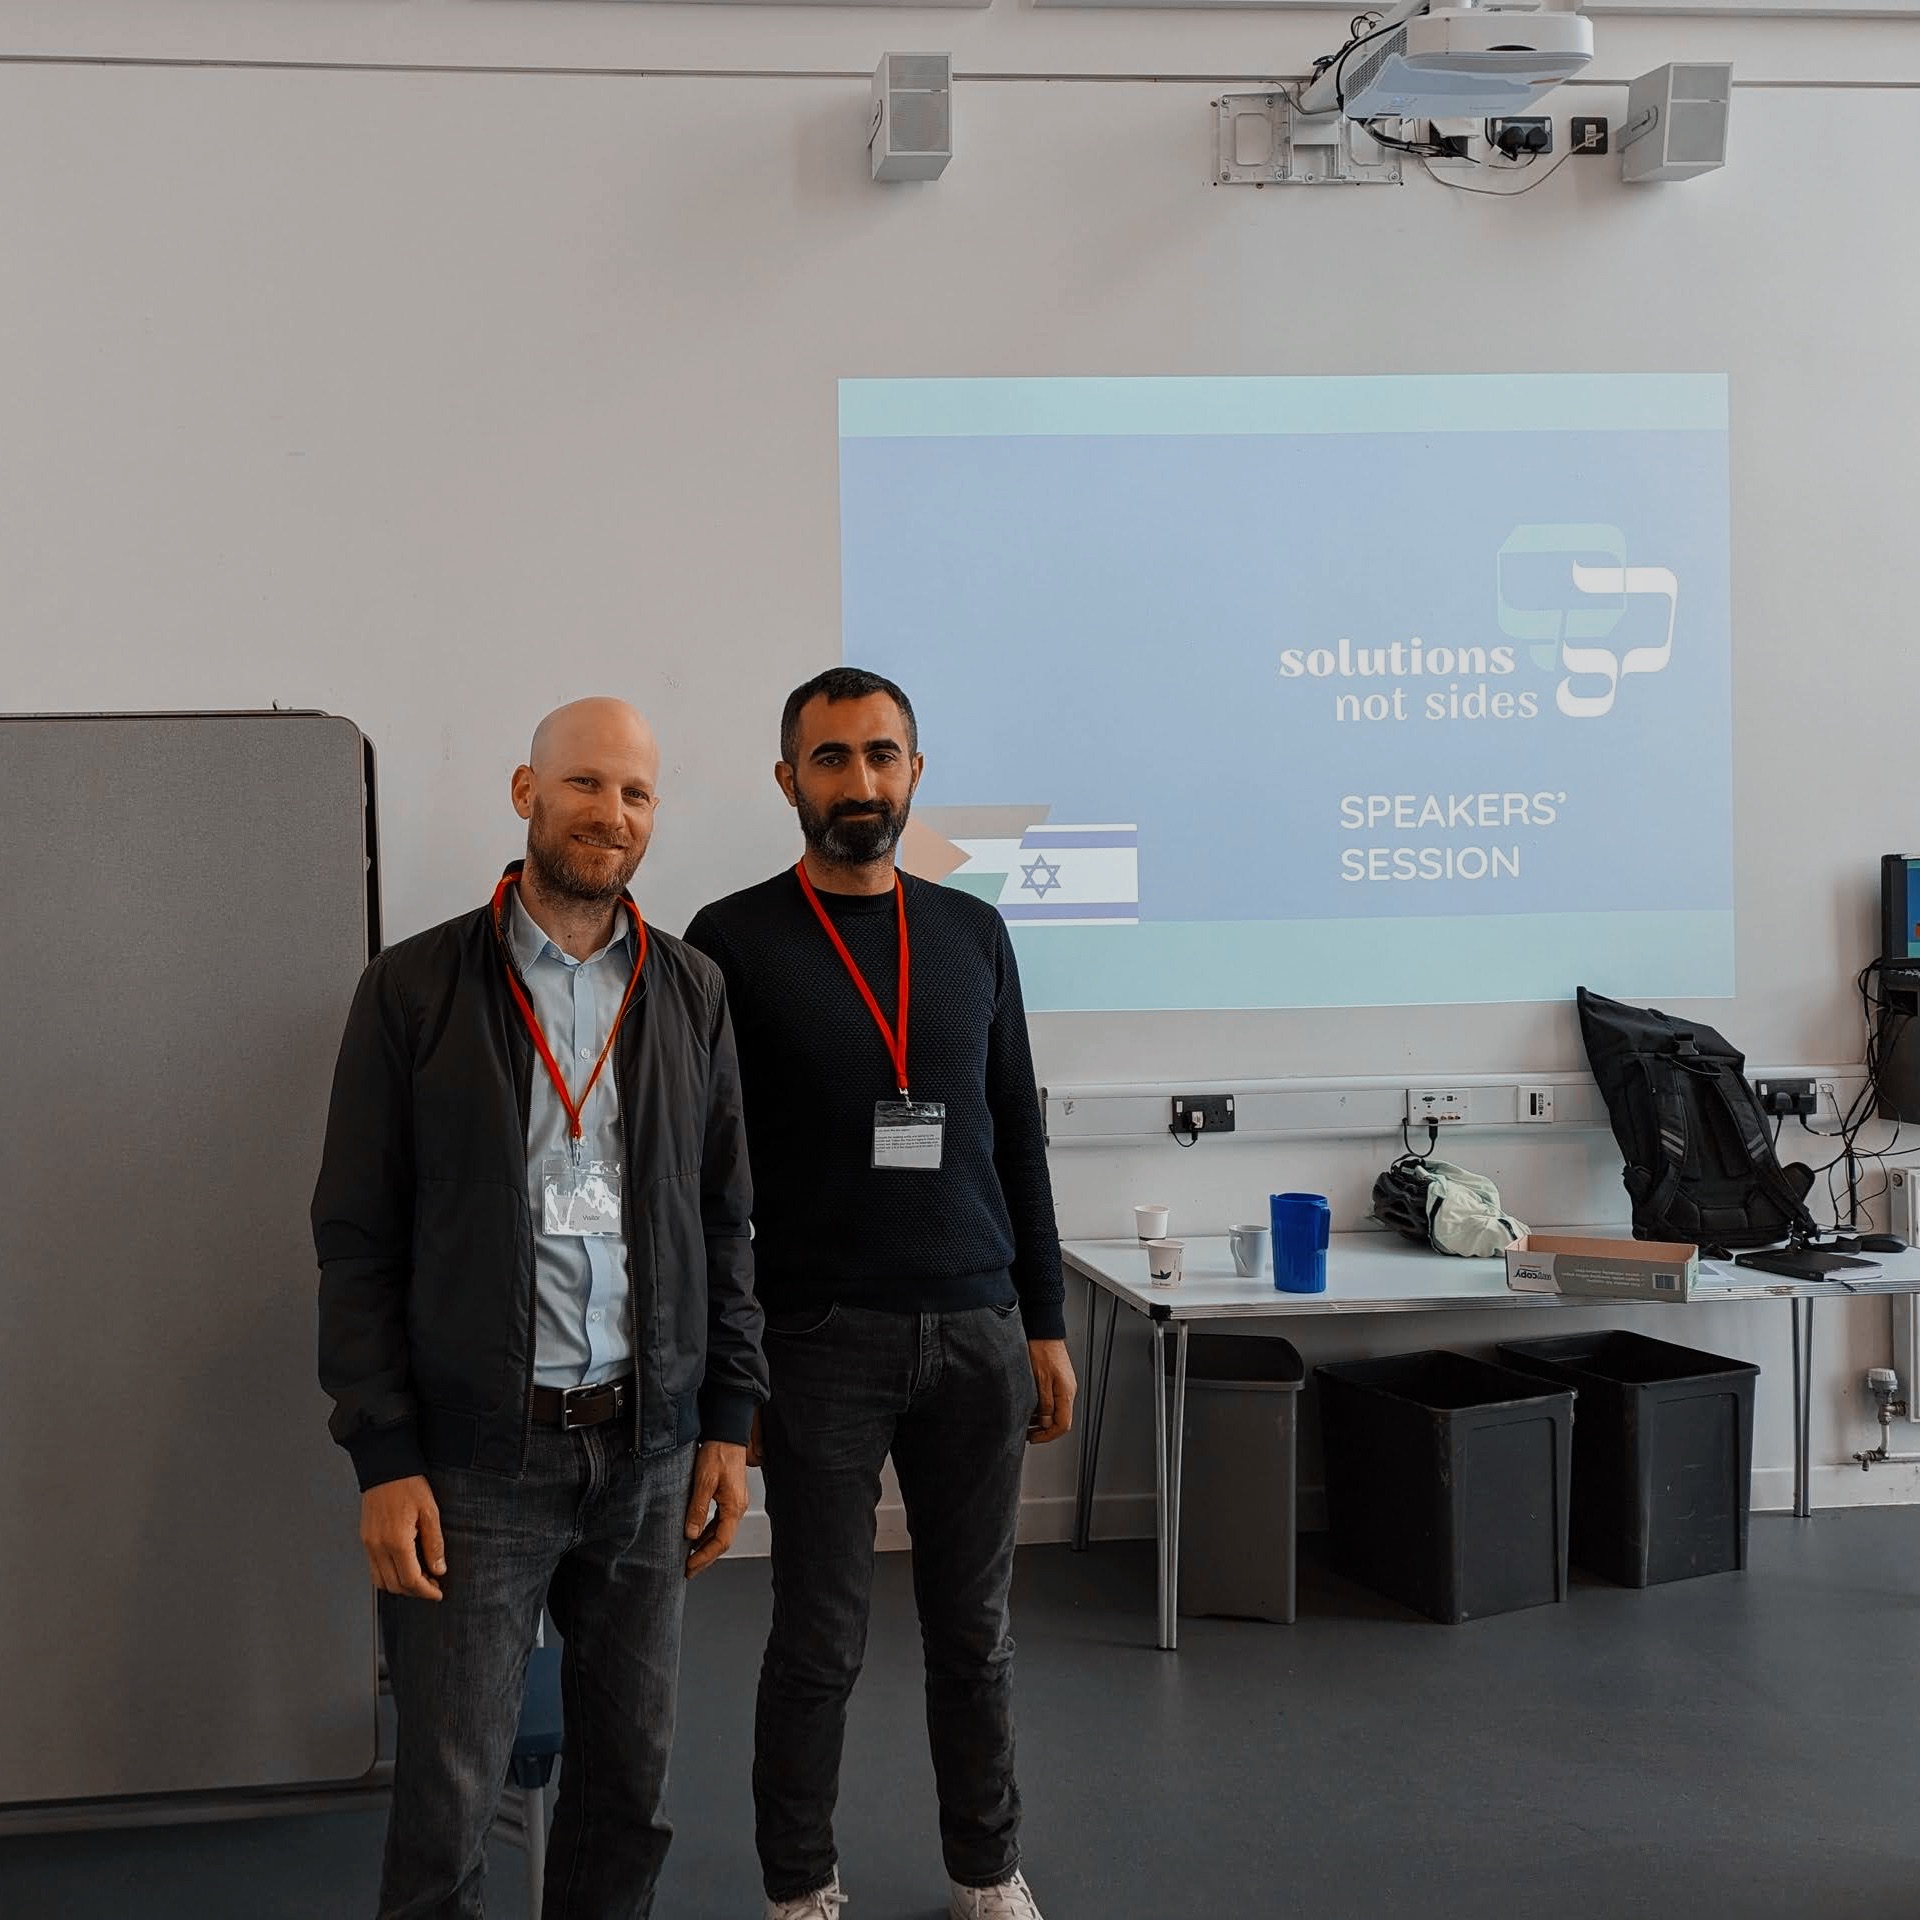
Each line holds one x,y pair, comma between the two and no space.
1382,1273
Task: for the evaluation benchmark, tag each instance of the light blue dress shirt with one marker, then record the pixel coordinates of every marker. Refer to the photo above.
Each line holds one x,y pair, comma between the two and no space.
583,1306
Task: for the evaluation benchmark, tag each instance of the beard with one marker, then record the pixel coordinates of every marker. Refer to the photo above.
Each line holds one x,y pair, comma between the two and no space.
563,869
853,833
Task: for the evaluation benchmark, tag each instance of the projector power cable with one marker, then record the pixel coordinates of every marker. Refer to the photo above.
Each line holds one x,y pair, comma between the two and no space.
1862,1110
1507,193
1346,53
1421,149
1501,193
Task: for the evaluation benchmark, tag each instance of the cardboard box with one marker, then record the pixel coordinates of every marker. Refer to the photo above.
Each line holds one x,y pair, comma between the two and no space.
1595,1269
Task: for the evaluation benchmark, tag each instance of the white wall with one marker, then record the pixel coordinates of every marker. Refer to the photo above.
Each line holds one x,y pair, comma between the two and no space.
1774,40
434,397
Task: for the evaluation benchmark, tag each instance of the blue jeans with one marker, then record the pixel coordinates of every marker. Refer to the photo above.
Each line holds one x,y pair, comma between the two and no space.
950,1396
595,1534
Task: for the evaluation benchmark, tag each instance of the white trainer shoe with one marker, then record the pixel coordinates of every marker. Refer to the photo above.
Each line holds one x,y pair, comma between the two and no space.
1010,1900
823,1903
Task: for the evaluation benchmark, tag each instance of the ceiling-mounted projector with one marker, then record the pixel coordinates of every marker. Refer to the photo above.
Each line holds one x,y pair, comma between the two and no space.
1425,62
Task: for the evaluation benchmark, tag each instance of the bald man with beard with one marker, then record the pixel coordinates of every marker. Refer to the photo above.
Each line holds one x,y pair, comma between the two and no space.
538,1327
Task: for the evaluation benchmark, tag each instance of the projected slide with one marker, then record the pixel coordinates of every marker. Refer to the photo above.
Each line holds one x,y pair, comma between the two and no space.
1311,692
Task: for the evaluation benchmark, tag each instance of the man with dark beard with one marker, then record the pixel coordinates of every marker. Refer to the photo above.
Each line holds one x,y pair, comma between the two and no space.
535,1131
906,1252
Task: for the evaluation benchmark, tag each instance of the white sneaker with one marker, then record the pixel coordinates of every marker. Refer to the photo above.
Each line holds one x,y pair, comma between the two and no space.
823,1903
1010,1900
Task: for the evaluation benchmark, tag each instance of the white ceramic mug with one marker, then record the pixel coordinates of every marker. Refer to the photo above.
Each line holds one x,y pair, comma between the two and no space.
1150,1222
1164,1258
1251,1246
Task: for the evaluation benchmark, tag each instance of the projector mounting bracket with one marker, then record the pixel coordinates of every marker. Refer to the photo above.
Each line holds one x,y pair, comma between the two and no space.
1264,140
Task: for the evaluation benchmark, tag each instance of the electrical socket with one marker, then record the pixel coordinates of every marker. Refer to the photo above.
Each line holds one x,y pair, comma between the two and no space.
1444,1106
1528,135
1535,1104
1198,1113
1795,1098
1589,134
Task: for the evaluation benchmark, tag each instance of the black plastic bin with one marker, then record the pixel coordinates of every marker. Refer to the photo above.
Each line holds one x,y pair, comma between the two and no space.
1237,1519
1447,1482
1662,1453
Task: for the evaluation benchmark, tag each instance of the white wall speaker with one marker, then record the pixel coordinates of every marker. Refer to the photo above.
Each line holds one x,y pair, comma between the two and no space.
911,134
1677,123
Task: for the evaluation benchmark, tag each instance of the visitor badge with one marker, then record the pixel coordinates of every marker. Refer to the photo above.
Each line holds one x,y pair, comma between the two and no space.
579,1196
909,1133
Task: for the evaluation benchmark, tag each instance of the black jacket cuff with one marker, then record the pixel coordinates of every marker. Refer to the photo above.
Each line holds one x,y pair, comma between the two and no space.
726,1414
380,1454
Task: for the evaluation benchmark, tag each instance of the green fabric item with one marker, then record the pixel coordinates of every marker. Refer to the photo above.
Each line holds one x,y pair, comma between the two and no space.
1463,1213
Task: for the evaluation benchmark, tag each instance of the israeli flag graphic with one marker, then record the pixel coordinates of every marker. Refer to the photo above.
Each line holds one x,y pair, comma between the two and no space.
1074,877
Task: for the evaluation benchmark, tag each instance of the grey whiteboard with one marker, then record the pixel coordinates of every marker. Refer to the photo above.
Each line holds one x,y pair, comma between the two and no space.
183,1601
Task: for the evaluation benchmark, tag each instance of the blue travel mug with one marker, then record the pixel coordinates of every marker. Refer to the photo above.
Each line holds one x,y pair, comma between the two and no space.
1301,1223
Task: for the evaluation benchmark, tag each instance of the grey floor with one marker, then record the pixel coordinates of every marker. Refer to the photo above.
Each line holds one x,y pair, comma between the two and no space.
1740,1746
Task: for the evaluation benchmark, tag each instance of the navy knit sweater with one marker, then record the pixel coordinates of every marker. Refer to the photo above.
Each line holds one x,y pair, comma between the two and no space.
828,1225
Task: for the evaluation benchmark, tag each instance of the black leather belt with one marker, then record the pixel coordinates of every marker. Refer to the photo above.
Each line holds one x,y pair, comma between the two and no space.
582,1406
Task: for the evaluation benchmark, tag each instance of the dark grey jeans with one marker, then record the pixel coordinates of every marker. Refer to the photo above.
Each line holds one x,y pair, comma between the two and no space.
597,1536
950,1396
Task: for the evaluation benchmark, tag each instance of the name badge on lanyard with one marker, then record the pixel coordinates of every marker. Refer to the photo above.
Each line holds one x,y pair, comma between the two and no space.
578,1196
908,1134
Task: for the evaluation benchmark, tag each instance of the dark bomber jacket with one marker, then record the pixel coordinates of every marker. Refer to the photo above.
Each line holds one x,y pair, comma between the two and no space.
424,1232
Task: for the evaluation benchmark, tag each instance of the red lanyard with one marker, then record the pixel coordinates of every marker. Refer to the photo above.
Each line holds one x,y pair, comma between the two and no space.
574,1109
896,1041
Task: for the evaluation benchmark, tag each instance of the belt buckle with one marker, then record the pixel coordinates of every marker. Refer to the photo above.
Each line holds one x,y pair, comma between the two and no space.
580,1397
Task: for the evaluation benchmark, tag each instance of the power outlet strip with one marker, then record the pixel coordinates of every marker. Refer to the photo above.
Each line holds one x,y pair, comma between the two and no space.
1436,1106
1549,1105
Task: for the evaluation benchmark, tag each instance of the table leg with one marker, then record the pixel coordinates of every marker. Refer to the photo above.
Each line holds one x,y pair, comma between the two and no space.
1093,1412
1176,1463
1160,1472
533,1808
1169,1438
1793,1308
1802,1407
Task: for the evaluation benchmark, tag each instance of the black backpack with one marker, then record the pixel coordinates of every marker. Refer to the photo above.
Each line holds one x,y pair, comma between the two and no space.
1700,1162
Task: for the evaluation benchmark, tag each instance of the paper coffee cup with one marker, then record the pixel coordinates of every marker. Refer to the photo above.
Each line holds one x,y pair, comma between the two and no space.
1150,1222
1164,1259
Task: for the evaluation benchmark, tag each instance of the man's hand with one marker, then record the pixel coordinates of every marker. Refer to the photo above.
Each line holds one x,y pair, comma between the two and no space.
719,1489
400,1529
1055,1386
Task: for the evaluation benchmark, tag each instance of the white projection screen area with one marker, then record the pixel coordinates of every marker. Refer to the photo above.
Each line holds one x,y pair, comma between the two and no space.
1245,693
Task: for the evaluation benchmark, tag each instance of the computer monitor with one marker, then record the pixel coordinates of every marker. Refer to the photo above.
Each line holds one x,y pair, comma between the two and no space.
1896,1057
1900,910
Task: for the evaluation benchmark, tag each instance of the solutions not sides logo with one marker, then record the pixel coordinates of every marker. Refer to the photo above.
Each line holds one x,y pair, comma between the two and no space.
1564,590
